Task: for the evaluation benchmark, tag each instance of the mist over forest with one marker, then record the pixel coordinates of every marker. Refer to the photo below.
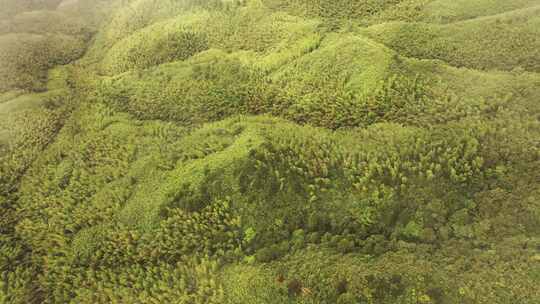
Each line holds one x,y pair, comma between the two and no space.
270,151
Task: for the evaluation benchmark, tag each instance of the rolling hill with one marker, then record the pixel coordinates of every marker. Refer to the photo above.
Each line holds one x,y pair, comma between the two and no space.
270,151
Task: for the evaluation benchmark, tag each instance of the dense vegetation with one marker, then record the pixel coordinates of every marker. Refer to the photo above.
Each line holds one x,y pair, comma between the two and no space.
270,151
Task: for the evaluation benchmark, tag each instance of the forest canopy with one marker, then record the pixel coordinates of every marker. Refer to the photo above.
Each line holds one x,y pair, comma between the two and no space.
270,151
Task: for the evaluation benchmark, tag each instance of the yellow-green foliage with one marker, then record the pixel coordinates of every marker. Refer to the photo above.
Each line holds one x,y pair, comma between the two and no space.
250,284
33,42
28,123
160,43
482,43
328,83
155,193
25,58
136,15
355,9
325,83
268,151
444,11
253,28
187,34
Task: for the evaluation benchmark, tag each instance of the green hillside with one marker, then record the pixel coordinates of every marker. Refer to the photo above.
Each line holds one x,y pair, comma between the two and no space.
270,151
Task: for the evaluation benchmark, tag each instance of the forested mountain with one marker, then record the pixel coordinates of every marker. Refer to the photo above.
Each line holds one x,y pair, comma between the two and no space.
270,151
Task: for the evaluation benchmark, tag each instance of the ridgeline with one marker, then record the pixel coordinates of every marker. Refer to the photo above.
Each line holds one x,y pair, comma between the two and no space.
270,151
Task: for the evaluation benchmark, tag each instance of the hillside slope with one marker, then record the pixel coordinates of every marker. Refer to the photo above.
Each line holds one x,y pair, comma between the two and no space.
270,151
